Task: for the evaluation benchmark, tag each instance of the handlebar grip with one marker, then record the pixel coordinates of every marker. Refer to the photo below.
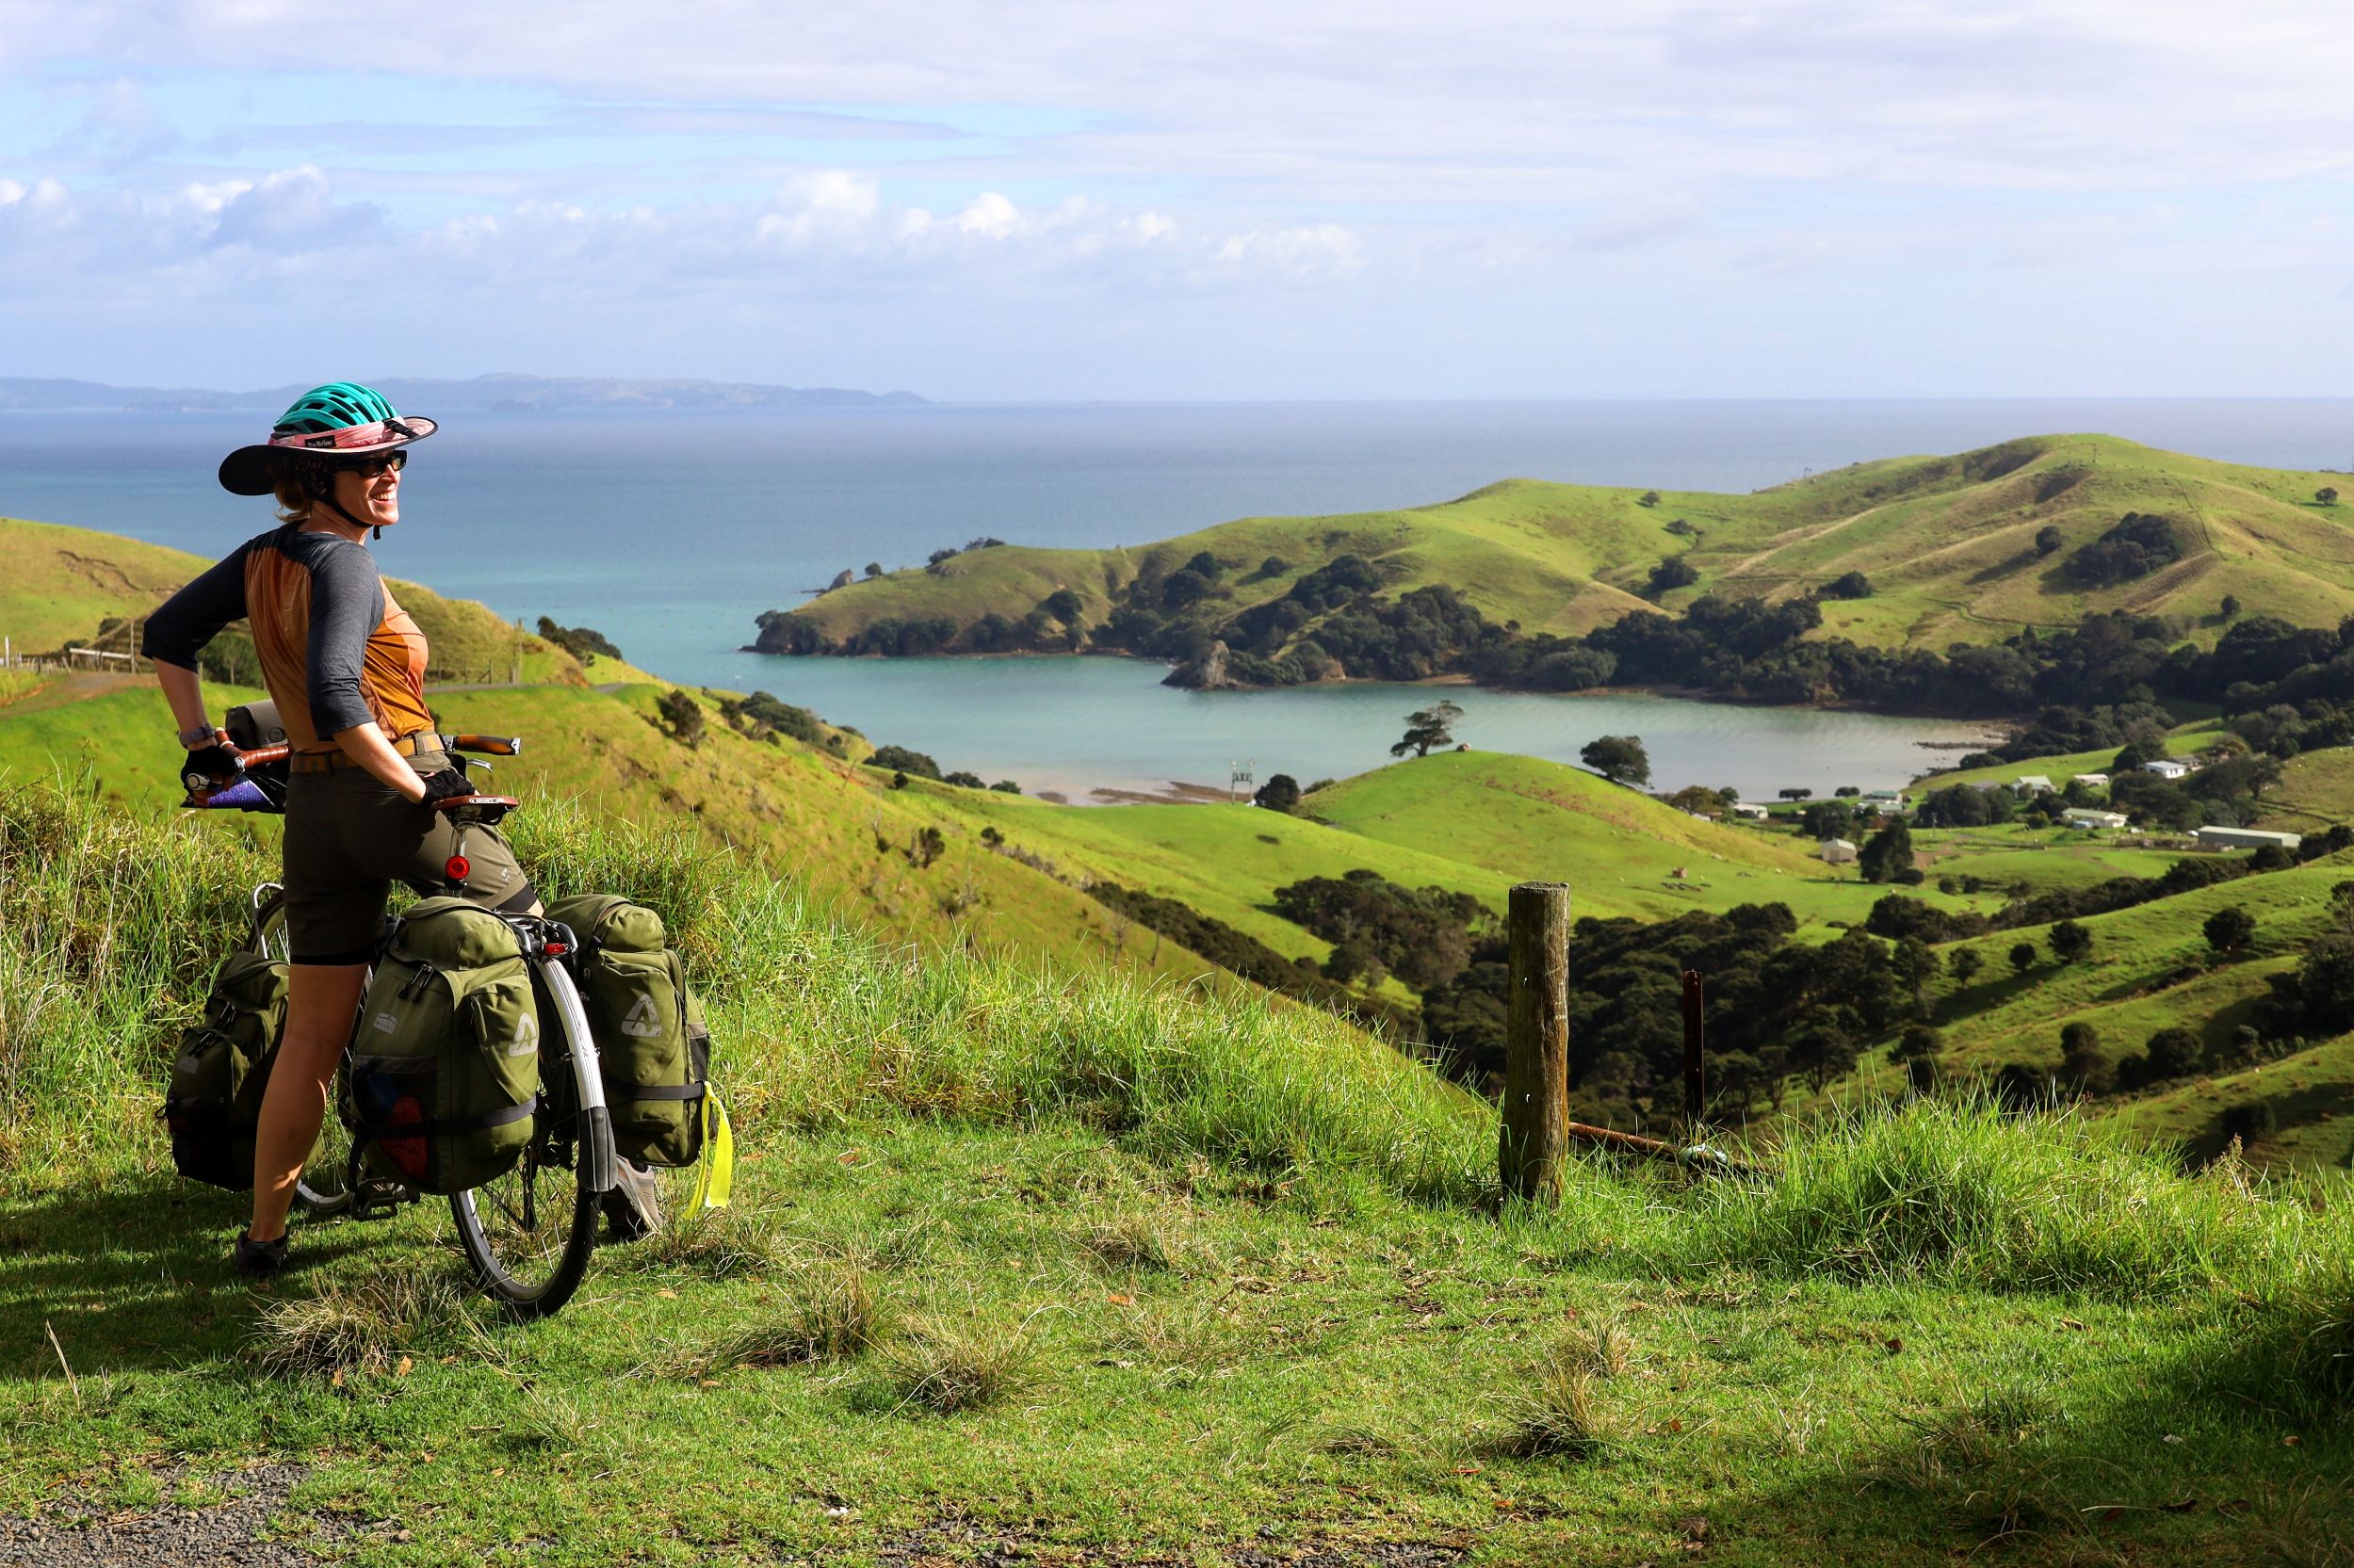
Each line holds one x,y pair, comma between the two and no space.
262,756
489,745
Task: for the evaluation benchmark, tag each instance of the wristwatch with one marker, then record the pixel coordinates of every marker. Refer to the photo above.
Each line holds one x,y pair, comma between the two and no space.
200,736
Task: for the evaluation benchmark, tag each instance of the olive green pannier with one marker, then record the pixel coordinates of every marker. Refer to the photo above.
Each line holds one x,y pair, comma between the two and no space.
222,1070
445,1057
652,1046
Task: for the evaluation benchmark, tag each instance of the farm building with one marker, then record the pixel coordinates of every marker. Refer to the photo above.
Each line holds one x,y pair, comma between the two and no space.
2105,819
2091,781
1748,812
2246,838
2032,783
1838,851
1887,799
2167,768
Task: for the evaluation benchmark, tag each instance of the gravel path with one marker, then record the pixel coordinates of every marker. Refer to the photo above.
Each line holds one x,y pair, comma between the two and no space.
67,1534
218,1535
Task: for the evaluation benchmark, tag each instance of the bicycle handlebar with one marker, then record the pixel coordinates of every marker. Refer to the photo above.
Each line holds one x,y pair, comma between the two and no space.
242,793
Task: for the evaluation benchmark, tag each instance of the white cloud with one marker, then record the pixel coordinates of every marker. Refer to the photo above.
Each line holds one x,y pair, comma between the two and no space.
1308,251
990,215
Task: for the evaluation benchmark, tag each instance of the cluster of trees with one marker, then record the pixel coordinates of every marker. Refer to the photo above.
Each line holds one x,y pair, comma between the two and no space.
1378,928
904,763
582,643
1776,1009
2136,547
1246,954
762,717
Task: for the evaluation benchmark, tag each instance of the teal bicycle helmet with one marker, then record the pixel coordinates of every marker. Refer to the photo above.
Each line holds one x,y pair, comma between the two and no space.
342,419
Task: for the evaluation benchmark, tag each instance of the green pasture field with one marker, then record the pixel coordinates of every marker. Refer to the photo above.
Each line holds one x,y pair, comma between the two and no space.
1061,1267
2317,791
2150,968
2311,1092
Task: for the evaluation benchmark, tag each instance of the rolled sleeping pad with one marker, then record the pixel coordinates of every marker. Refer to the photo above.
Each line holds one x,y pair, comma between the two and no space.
244,795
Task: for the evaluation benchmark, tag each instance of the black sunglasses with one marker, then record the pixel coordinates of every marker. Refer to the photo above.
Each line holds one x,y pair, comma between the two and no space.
375,463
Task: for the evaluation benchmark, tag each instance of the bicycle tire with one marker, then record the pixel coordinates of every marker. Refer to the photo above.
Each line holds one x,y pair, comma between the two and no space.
324,1187
530,1232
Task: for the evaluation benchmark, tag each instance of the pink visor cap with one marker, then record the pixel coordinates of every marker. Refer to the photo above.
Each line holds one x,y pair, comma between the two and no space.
254,470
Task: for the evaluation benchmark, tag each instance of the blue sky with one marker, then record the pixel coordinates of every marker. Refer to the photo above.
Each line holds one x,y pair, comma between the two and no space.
1582,198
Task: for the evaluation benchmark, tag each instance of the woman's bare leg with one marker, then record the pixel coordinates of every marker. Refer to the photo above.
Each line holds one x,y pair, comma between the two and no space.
321,1000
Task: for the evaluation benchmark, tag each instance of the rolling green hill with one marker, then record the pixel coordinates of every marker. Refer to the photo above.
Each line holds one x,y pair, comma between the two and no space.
57,583
1948,544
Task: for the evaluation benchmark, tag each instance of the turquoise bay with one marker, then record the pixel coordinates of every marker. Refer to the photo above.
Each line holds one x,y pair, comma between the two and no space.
1075,725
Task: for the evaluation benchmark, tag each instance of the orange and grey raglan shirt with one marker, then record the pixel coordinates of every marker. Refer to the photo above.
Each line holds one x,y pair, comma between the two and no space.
336,652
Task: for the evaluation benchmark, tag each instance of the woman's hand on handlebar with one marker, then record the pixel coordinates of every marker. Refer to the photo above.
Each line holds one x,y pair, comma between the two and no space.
215,763
449,784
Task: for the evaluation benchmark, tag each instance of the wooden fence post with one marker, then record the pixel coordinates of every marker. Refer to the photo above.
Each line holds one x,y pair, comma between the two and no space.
1536,1127
1694,1067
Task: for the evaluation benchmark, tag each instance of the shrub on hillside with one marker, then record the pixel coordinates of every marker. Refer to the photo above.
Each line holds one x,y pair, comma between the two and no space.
902,760
582,642
2134,547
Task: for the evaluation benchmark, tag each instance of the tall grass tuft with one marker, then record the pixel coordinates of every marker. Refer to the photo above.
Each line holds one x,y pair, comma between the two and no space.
829,1314
1560,1409
947,1365
365,1326
1958,1191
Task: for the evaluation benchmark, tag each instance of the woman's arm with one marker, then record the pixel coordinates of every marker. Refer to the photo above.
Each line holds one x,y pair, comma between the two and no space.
185,690
181,626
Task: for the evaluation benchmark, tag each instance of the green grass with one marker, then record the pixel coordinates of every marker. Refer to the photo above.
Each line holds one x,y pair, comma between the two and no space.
1067,1264
1947,544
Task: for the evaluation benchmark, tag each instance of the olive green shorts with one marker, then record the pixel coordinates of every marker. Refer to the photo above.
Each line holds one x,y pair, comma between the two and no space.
348,838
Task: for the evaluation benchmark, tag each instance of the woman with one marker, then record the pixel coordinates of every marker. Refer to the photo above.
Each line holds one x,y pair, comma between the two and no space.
345,666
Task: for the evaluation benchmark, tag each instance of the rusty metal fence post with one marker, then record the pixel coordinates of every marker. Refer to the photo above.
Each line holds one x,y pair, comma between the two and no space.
1535,1131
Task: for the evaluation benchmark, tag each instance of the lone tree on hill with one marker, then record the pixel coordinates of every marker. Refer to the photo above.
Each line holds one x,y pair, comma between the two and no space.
1650,499
1428,727
1887,853
2230,606
2069,942
1915,964
2326,495
2230,930
874,569
681,716
1670,574
1279,792
1964,967
1796,794
2047,539
1619,758
2023,956
2083,1062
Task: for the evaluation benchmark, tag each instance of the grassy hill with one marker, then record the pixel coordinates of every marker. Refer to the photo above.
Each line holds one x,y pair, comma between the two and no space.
1948,544
1053,1267
57,583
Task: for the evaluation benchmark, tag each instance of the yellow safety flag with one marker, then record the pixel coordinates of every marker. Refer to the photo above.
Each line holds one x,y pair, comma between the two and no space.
715,1173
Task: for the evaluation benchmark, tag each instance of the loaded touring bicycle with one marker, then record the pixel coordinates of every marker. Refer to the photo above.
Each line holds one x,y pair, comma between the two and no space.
485,1011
